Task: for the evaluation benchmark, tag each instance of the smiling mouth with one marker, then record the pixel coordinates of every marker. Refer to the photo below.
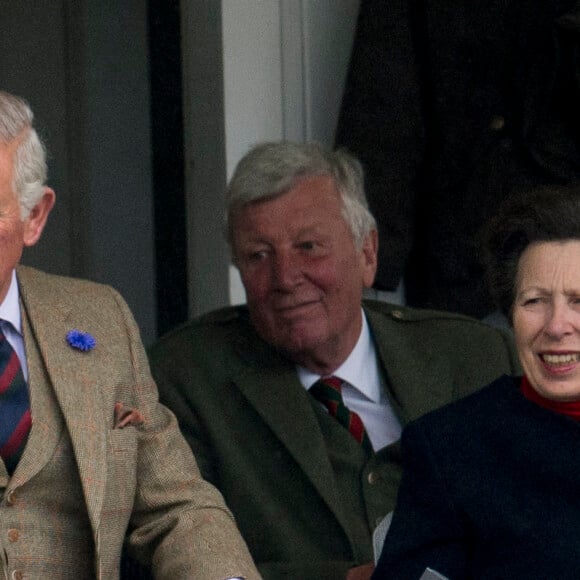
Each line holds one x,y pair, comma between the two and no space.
560,359
292,307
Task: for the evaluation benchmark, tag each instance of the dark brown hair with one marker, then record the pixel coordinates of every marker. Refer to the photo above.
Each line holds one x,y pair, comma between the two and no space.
544,214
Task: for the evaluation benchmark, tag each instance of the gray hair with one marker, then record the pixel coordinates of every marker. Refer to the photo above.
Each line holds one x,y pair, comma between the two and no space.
16,124
271,169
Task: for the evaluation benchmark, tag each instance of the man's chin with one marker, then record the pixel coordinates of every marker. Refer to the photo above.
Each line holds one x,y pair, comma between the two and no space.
297,345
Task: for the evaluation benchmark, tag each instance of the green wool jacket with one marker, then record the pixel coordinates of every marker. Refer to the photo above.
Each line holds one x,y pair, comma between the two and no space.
257,435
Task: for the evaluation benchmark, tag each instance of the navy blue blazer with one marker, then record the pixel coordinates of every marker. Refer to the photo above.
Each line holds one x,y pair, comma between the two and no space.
490,489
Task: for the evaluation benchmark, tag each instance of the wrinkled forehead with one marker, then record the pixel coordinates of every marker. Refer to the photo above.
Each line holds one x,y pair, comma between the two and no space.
551,264
311,201
7,153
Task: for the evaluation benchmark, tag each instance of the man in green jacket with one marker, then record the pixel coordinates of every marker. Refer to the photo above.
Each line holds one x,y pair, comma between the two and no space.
294,404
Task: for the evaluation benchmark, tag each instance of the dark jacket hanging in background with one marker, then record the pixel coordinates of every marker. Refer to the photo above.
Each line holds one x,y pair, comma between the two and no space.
451,105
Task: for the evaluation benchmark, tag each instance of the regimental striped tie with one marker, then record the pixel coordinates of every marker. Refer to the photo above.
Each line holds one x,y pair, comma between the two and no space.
15,418
328,390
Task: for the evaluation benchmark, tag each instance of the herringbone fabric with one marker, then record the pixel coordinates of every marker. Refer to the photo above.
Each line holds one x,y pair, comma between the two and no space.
137,486
15,418
328,390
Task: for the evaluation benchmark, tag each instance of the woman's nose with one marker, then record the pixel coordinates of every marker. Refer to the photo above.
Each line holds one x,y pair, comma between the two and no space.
559,322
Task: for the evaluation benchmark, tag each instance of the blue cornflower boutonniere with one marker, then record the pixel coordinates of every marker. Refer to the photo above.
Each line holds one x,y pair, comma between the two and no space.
81,340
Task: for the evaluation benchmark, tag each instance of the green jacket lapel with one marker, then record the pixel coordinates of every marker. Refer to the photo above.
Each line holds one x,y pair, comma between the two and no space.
410,366
271,385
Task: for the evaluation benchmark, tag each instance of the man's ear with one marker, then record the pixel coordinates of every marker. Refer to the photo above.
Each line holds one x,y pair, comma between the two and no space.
36,220
369,258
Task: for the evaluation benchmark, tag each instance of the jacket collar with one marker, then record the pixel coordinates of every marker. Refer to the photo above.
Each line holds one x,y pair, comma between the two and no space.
415,374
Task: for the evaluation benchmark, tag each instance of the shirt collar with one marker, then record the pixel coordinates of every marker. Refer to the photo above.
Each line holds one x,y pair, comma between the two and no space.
10,307
360,369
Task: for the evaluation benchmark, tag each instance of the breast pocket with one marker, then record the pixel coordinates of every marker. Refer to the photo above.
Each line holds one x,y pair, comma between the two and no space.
123,440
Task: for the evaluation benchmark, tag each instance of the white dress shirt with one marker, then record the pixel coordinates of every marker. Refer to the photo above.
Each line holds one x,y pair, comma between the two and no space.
11,323
363,392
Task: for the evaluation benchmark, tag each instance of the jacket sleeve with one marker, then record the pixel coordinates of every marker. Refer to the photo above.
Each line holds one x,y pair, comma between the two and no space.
426,530
179,521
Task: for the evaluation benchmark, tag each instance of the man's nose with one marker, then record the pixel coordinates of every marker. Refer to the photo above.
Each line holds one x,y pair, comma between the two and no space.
286,270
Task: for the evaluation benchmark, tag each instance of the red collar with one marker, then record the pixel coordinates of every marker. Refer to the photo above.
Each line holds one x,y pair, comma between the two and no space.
570,408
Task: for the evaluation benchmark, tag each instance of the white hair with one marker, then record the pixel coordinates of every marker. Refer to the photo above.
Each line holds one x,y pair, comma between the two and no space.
271,169
16,124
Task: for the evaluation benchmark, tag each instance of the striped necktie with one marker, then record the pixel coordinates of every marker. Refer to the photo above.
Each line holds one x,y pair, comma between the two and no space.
15,417
328,390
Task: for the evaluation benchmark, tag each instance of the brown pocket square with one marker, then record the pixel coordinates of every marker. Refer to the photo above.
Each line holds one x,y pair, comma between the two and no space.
126,417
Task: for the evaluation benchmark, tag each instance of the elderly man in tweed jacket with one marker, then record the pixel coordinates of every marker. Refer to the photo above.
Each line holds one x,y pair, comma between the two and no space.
93,458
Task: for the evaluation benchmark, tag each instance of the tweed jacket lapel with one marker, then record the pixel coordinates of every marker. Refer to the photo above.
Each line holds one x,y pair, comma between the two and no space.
271,385
413,372
72,375
47,425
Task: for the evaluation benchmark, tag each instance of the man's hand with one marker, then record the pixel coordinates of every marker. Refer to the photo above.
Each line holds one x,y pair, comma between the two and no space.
363,572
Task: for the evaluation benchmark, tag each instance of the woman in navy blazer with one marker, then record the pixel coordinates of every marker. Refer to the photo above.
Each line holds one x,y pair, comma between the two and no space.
491,483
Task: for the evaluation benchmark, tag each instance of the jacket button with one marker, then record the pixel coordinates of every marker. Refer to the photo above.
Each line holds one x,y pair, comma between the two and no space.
373,477
11,497
13,535
17,575
397,314
497,123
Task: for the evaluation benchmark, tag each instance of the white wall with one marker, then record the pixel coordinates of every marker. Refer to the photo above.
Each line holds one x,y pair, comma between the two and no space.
329,27
252,63
284,64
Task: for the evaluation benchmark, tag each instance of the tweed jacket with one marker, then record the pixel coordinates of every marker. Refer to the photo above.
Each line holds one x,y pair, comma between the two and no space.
489,490
140,482
257,437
